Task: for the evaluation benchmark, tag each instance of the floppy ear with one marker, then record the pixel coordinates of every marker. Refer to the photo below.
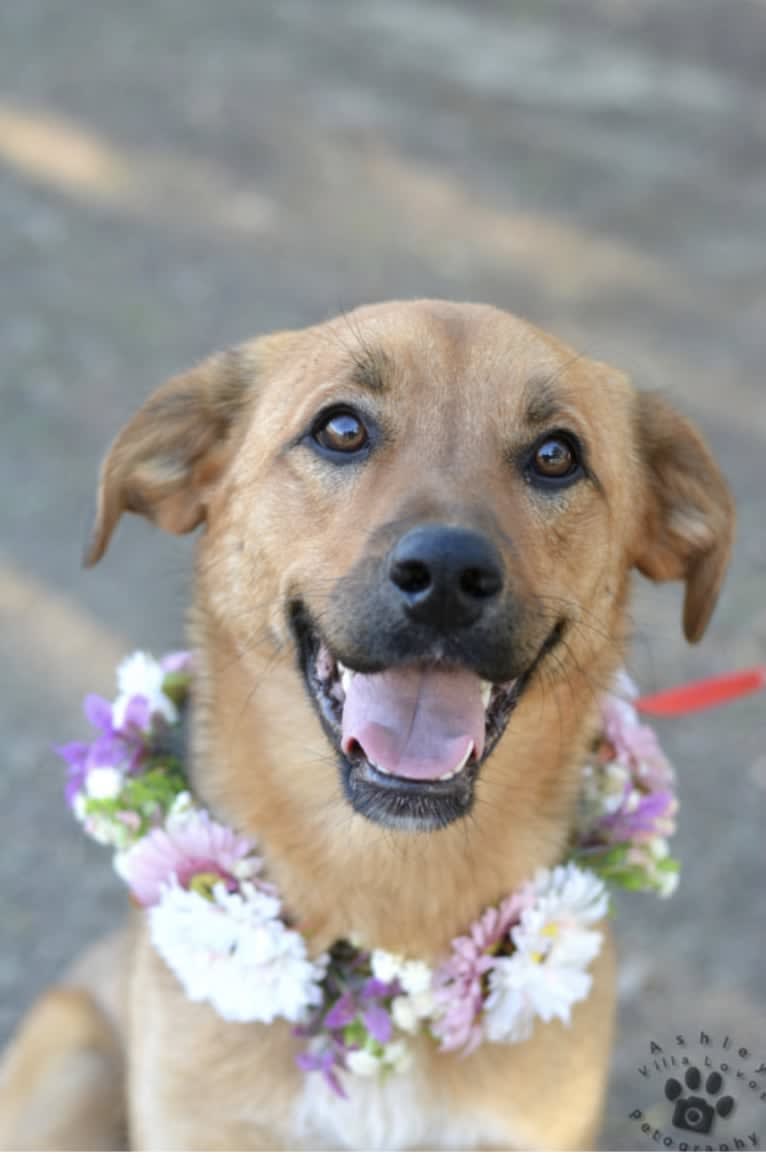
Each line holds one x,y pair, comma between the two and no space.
162,464
689,521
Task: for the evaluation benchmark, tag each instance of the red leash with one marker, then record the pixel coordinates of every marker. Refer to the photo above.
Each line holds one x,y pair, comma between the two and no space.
702,694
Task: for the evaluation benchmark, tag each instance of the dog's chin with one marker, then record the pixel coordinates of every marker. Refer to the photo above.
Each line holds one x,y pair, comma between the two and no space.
387,799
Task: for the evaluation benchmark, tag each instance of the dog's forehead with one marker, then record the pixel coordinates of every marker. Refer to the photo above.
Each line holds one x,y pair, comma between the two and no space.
441,341
467,352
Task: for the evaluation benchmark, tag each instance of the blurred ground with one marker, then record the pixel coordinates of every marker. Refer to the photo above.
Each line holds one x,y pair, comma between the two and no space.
175,176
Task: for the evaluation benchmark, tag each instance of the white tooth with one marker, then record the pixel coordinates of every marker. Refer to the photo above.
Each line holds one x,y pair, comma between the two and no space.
465,759
380,768
486,692
346,677
461,765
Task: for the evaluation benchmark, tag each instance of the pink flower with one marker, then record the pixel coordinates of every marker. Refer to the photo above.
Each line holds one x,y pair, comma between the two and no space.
177,661
636,745
192,846
458,984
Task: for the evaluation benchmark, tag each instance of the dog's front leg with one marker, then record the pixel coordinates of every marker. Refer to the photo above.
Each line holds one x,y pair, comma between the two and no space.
61,1085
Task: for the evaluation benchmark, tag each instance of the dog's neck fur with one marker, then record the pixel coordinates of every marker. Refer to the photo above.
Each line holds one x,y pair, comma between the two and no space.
341,876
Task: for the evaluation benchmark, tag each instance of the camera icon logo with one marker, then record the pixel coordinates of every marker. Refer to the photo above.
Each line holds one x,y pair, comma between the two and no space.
695,1113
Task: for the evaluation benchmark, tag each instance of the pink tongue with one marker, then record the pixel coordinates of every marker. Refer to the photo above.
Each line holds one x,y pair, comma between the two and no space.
414,722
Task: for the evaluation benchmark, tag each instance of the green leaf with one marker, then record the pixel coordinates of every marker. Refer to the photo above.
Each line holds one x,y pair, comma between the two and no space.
633,879
603,859
355,1034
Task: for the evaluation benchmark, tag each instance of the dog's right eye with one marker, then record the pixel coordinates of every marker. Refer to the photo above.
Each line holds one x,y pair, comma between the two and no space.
341,432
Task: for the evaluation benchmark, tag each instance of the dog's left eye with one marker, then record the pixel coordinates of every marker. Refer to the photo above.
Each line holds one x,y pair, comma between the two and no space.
341,432
555,461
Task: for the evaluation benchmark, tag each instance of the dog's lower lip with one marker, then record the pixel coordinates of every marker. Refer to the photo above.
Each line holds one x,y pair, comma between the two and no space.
400,784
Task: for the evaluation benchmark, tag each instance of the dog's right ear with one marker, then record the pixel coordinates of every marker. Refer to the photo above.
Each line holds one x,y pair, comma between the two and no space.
164,462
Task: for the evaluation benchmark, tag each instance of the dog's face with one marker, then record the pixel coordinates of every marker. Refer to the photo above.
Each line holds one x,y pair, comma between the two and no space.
431,511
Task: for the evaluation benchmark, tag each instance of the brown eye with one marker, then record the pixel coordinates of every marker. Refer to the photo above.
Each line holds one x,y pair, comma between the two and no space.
342,433
555,461
554,458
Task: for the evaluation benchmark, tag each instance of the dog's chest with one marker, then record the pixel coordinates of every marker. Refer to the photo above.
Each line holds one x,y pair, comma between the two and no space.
400,1113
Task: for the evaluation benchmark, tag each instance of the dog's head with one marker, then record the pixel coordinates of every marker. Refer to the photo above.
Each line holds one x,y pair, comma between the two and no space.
430,513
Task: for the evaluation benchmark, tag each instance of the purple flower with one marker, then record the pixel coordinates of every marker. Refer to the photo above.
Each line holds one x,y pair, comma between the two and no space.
135,723
107,751
374,988
123,749
347,1032
377,1023
325,1062
342,1013
641,820
123,735
98,712
76,756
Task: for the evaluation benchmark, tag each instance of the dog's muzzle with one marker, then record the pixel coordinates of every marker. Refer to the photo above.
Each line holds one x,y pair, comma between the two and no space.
417,682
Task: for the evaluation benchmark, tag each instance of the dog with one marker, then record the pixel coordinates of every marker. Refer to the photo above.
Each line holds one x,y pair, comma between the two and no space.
417,487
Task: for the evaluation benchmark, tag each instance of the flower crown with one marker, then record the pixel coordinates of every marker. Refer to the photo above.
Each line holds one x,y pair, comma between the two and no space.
218,923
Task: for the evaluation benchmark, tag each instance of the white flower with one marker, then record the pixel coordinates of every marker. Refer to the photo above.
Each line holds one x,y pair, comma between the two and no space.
603,792
404,1014
141,675
522,989
612,789
246,868
667,881
625,687
569,894
410,1010
235,953
397,1056
103,783
385,966
548,972
634,799
180,811
508,1011
415,977
365,1064
102,829
424,1003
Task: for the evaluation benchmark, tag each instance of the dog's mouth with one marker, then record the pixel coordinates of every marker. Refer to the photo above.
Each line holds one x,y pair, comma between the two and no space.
411,739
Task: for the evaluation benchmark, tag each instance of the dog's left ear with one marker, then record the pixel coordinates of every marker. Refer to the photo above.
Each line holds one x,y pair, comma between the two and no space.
164,462
689,517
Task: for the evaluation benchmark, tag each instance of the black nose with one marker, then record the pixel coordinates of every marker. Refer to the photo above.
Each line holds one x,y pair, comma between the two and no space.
447,576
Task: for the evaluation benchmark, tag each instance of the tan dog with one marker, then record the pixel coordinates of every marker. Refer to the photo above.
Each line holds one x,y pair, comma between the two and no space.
433,491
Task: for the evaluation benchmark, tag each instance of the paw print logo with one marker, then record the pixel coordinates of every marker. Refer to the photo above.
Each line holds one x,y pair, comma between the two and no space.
693,1112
